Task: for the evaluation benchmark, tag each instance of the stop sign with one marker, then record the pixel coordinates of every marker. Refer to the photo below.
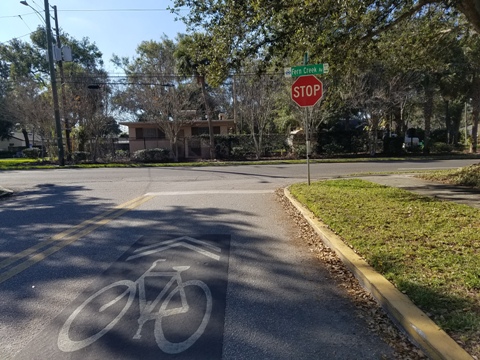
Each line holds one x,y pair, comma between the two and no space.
307,90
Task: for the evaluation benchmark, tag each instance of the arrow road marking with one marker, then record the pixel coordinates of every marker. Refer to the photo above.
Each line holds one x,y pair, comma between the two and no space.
181,241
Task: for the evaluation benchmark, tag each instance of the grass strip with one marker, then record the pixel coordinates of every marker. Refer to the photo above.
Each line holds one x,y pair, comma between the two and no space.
429,249
31,164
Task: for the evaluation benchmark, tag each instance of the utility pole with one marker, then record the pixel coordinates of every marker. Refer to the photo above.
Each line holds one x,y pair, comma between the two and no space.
235,106
62,84
58,125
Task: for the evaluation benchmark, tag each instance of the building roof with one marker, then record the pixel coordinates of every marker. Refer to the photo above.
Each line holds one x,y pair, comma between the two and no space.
194,123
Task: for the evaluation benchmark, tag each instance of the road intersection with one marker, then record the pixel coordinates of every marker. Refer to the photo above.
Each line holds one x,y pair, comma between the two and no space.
270,298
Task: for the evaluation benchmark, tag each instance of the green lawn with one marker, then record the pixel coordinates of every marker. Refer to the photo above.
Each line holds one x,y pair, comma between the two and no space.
29,164
429,249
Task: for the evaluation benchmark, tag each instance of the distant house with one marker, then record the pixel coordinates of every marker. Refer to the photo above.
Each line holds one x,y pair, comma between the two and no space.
17,141
148,135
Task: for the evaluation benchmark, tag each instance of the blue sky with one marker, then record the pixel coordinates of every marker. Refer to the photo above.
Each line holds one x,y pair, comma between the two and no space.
114,32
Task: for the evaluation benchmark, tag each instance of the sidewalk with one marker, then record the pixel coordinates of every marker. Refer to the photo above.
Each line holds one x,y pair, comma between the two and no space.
421,330
458,194
5,192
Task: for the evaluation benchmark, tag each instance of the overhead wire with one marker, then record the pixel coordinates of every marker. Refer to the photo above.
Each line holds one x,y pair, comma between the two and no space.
77,10
113,10
25,23
97,10
17,37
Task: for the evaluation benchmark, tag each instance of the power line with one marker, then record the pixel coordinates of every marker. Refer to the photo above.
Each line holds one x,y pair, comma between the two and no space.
96,10
115,10
25,23
14,16
17,37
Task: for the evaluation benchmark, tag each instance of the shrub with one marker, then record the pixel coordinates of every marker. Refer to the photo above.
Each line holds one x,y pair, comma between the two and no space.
333,148
239,152
152,155
441,147
438,136
241,146
78,156
7,154
300,151
31,153
121,154
393,145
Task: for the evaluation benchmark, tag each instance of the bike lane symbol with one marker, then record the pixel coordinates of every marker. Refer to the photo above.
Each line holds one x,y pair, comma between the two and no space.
166,301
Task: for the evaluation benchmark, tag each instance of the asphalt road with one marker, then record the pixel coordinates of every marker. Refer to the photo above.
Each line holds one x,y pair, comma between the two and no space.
174,263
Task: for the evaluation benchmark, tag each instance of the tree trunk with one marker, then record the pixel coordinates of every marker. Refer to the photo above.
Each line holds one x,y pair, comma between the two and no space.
25,136
173,146
209,118
448,124
398,118
427,114
258,143
471,10
374,134
475,111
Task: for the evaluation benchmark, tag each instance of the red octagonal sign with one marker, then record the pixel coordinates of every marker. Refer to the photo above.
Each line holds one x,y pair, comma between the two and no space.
307,90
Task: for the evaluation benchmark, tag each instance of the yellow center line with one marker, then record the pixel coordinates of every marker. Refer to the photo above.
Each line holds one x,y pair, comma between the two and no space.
63,234
67,237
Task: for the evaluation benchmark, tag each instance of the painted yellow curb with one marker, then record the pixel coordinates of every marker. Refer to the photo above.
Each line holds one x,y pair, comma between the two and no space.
423,331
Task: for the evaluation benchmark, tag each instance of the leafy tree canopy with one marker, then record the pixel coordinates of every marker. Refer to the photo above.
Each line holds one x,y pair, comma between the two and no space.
278,30
25,59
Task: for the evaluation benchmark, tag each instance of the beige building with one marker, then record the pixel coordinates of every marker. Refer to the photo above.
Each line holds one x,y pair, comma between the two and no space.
147,135
17,141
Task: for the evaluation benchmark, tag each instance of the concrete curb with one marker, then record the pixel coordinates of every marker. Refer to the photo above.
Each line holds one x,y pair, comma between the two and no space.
418,326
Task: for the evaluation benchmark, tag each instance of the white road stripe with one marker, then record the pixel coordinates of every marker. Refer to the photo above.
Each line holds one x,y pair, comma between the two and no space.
209,192
427,168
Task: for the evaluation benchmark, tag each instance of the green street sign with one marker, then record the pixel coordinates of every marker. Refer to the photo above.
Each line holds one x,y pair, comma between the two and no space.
296,71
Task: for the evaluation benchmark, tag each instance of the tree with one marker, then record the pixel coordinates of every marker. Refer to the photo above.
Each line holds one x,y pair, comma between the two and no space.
368,90
333,30
471,49
6,124
89,107
191,60
24,60
30,107
30,60
153,93
256,104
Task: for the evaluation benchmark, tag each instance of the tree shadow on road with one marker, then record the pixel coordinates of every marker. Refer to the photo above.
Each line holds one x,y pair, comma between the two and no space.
279,303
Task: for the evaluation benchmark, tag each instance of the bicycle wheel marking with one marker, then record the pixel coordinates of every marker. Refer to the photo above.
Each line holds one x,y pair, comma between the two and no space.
178,347
67,345
179,312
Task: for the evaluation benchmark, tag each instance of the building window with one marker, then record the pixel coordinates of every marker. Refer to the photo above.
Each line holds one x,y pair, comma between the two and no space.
149,133
196,131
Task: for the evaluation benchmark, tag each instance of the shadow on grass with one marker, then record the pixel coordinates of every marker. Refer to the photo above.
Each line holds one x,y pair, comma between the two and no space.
447,310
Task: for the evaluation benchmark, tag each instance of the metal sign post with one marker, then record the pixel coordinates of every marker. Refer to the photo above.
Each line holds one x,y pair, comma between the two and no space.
307,90
307,145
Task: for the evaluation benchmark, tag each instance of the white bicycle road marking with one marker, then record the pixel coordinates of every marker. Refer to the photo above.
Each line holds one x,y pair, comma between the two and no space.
177,242
66,344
